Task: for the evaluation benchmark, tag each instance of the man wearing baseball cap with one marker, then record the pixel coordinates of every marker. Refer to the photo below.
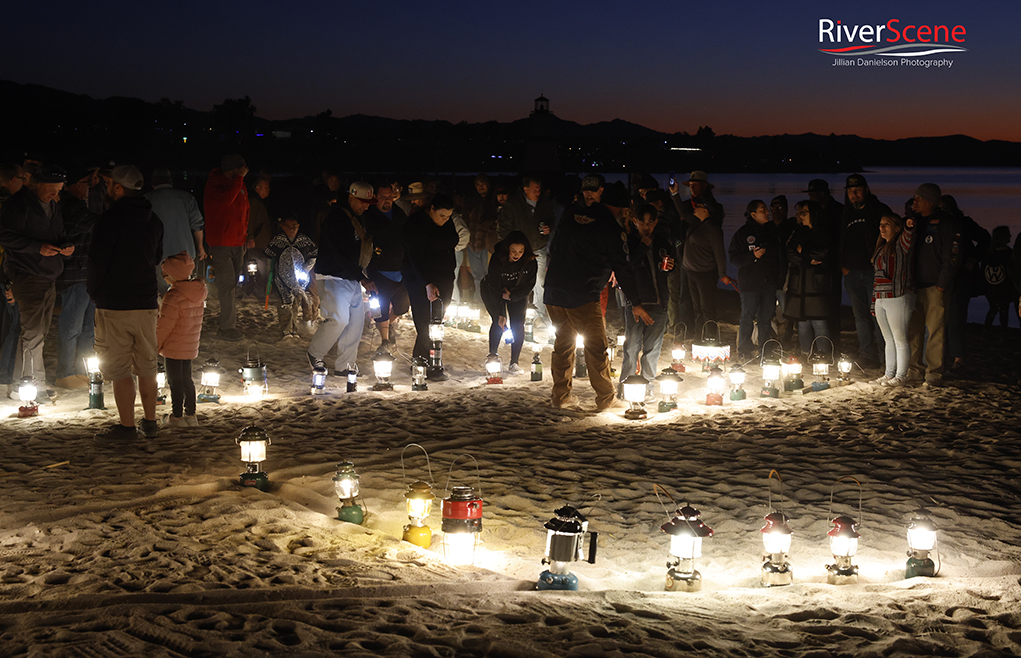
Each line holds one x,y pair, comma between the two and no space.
226,207
345,249
35,246
127,244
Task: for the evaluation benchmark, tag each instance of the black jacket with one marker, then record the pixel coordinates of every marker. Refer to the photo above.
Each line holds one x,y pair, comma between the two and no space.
757,274
127,246
517,277
809,287
589,244
387,238
650,279
428,251
517,215
339,244
937,251
24,228
859,233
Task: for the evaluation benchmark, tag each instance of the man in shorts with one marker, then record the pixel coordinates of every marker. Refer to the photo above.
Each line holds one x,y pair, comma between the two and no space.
127,245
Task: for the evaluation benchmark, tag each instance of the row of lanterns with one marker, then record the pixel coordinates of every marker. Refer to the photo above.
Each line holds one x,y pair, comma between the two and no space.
461,524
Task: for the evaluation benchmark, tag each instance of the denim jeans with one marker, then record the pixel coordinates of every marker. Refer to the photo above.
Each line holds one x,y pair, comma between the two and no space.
76,330
11,324
646,340
893,315
756,307
808,331
859,284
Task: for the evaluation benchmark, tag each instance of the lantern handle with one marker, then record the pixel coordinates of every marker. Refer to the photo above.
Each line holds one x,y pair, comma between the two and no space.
684,331
834,486
719,335
779,346
428,467
780,480
811,350
656,488
478,474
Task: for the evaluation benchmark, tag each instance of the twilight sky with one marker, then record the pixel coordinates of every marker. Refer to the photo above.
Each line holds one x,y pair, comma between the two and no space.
744,68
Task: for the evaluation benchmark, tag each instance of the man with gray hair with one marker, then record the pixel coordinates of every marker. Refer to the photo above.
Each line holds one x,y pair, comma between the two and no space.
127,244
183,226
226,206
32,235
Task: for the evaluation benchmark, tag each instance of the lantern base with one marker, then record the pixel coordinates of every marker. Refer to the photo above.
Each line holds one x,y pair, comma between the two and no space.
315,390
207,397
793,385
840,382
382,387
494,380
776,575
28,410
924,567
351,514
636,414
421,536
739,394
713,399
96,402
581,371
683,582
820,386
841,575
678,367
769,392
536,376
258,480
564,582
420,387
665,406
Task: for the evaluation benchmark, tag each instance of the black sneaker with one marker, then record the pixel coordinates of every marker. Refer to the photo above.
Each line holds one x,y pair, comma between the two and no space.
150,429
315,361
232,335
118,432
436,375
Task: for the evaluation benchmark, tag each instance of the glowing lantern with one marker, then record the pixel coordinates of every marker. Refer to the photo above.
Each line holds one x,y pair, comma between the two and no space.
551,334
318,381
737,377
921,541
668,381
95,382
161,383
494,366
419,367
345,483
252,267
375,309
716,384
435,338
792,377
677,354
27,392
210,379
253,442
472,324
352,378
843,545
776,542
382,369
536,367
254,378
530,314
820,363
461,524
686,532
635,387
770,364
564,538
419,502
580,369
844,366
710,350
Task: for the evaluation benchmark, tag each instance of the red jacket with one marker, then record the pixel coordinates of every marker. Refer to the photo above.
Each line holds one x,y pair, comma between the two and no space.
179,324
226,207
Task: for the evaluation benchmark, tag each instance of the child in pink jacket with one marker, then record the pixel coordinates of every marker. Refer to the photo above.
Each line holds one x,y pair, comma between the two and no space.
178,330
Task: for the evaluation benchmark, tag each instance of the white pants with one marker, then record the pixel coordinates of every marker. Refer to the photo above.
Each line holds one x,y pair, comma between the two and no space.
340,301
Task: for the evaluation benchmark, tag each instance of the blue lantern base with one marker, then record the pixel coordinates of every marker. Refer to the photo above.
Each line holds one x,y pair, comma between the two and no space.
206,397
567,582
820,386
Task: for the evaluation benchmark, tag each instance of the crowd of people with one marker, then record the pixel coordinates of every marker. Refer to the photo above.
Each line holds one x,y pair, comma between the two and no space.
128,267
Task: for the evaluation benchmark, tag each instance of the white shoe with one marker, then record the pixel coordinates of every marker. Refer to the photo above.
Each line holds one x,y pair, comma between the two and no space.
515,369
896,382
882,381
171,420
191,421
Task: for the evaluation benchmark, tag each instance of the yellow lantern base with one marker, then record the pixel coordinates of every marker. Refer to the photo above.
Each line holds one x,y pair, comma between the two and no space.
418,535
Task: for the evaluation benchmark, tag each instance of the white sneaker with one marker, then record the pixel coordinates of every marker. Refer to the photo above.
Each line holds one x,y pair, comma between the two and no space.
882,381
191,421
896,382
515,369
171,420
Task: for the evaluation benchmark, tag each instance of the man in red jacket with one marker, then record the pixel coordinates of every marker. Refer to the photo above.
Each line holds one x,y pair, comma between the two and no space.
226,208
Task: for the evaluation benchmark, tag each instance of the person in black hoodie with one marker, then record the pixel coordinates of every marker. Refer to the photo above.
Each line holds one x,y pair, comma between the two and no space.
651,258
430,239
755,251
34,243
127,245
810,276
505,289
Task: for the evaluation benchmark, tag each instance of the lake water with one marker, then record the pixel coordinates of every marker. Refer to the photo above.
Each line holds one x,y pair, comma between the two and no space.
992,196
